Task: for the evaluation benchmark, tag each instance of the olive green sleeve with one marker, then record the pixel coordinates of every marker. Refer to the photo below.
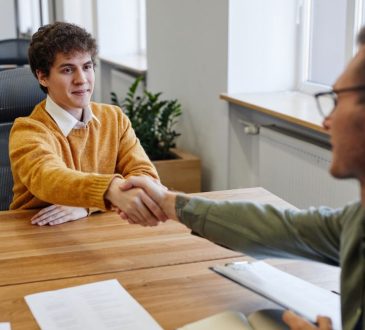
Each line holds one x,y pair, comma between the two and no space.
262,230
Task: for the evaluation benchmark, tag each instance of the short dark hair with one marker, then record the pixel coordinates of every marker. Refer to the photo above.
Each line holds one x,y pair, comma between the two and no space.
59,37
361,68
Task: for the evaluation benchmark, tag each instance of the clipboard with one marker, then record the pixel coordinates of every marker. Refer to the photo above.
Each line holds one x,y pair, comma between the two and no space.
286,290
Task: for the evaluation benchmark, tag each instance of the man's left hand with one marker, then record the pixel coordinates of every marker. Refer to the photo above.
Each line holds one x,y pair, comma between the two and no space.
57,214
295,322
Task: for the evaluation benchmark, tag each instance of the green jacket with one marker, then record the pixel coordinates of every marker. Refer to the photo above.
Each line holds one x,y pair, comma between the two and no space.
332,236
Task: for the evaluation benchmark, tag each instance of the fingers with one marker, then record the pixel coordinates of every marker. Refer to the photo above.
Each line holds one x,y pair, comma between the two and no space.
160,184
42,212
140,214
130,182
57,214
53,218
324,323
136,207
154,208
126,185
296,322
136,201
146,218
45,215
61,219
154,190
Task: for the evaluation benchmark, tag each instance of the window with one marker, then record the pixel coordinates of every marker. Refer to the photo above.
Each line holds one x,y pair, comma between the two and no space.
31,14
328,32
122,26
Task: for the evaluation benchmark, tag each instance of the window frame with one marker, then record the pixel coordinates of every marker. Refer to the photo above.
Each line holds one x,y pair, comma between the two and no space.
354,18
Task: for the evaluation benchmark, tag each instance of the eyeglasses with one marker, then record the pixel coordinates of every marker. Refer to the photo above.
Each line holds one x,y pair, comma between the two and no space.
327,101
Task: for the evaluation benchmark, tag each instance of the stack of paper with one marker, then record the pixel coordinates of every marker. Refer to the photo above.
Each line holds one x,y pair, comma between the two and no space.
96,306
5,326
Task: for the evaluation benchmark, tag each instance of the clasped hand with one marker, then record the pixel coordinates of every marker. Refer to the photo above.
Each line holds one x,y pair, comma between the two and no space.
134,203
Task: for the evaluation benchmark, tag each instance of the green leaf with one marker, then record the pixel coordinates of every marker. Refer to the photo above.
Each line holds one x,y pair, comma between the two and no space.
152,119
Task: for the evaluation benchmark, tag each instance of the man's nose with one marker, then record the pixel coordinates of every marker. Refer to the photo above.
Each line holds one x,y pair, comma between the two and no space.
80,77
327,122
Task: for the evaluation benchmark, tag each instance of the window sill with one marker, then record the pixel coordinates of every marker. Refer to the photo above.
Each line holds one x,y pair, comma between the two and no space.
293,107
136,64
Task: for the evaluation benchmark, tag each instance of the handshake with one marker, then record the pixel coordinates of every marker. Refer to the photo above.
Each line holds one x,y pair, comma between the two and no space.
141,200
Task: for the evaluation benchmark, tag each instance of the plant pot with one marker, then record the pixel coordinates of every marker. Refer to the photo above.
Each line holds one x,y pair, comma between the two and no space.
182,173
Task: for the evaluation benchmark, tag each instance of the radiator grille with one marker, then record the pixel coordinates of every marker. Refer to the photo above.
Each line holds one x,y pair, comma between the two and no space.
297,171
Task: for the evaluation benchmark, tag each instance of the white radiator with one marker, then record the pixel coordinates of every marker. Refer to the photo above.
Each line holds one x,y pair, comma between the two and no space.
297,171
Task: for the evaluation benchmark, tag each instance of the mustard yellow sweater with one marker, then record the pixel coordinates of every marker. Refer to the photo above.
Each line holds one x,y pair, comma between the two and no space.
49,168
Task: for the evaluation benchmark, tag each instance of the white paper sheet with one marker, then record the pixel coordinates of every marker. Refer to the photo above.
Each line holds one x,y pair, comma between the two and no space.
287,290
5,326
95,306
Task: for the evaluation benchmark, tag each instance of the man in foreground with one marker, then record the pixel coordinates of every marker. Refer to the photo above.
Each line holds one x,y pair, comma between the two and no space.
70,155
335,237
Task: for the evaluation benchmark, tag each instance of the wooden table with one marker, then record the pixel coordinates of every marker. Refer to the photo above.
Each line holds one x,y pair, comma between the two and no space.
103,243
164,268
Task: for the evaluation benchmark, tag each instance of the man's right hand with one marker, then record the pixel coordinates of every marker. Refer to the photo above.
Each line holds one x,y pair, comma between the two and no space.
134,202
158,193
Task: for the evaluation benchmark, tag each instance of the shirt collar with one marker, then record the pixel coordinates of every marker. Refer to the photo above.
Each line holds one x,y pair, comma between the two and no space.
64,120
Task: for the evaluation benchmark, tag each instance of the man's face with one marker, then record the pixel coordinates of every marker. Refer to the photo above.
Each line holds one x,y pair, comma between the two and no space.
70,82
346,124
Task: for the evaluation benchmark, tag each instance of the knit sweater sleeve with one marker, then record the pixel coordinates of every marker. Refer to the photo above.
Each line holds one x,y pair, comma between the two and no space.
36,164
132,159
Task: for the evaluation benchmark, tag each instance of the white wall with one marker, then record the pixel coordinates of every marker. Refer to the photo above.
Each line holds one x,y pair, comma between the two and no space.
197,49
7,20
262,58
187,59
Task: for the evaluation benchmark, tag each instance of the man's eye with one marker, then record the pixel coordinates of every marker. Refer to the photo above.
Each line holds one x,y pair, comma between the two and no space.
88,66
67,70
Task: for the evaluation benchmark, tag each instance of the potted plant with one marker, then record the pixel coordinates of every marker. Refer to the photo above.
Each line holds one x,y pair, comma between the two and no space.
153,121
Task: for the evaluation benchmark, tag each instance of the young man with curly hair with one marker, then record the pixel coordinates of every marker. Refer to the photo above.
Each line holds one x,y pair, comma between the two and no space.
69,155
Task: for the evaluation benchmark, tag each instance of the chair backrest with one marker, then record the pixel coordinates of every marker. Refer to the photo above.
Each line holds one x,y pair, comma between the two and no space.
6,179
19,93
14,51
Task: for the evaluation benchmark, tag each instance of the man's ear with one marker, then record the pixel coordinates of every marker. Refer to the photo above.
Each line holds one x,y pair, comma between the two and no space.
42,78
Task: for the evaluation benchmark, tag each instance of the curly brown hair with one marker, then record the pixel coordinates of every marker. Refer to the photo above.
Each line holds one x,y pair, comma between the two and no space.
59,37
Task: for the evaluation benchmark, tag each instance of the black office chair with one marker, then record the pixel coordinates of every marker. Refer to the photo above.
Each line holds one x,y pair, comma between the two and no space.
19,93
14,52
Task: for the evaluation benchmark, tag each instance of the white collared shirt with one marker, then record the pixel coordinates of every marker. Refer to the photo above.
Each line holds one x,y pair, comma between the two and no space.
64,120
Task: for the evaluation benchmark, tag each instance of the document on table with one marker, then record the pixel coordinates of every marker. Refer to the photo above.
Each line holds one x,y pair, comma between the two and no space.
5,326
286,290
95,306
